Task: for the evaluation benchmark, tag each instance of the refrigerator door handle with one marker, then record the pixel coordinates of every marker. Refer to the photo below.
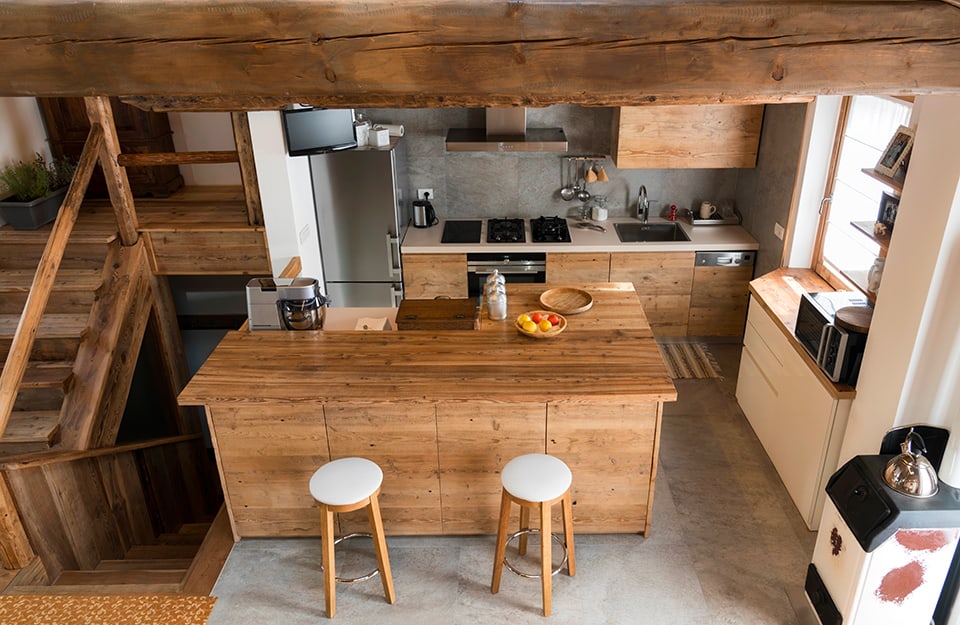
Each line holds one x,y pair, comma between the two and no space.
392,268
397,294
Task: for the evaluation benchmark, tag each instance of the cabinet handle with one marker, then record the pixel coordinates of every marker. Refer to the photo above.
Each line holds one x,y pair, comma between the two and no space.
392,268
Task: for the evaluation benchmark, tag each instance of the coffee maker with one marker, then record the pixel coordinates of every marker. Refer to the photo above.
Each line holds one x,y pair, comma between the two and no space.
285,304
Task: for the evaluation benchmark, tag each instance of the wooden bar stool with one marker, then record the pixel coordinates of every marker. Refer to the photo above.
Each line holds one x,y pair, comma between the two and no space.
535,481
346,485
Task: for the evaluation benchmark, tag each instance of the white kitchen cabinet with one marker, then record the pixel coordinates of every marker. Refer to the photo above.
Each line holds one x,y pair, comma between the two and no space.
797,417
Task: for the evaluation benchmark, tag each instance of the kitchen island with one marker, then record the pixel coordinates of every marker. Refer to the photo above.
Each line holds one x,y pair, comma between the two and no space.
441,412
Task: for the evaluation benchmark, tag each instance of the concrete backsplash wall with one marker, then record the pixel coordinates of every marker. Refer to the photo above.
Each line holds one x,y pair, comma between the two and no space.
477,184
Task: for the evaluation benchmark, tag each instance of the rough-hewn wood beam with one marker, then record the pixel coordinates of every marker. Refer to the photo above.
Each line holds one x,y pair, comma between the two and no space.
476,52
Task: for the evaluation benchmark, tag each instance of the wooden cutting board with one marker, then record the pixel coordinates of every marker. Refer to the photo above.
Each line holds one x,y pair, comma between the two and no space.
438,314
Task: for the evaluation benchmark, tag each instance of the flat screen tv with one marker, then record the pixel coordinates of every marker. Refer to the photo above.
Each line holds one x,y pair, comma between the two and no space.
315,131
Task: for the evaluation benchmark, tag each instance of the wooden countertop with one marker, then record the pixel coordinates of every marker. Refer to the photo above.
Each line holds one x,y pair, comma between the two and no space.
606,355
779,293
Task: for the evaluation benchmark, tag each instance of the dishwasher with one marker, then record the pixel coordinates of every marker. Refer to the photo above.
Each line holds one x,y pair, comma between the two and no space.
720,293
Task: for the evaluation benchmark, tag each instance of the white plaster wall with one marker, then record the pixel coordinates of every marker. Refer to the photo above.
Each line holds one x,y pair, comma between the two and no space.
203,132
21,132
287,197
910,371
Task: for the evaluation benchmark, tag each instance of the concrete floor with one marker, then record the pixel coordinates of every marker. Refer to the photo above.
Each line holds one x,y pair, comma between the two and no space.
727,546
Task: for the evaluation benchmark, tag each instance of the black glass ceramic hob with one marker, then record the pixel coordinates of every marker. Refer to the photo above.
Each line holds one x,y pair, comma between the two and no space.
461,231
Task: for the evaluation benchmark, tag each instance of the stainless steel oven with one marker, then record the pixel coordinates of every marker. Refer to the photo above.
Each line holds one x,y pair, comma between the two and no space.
515,268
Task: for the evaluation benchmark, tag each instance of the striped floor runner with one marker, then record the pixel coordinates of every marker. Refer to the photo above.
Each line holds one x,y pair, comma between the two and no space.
689,360
105,610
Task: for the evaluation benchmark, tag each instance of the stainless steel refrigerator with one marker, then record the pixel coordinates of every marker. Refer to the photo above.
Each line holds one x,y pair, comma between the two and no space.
361,218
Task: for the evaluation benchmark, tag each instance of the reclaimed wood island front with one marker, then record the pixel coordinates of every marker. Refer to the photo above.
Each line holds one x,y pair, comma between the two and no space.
441,412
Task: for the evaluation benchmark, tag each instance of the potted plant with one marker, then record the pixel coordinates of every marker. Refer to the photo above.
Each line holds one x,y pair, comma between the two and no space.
36,190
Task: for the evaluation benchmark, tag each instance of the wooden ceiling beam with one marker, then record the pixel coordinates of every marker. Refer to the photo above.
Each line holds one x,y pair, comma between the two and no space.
233,55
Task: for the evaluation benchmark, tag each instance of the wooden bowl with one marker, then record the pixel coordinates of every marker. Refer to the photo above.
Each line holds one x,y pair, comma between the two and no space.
566,300
539,334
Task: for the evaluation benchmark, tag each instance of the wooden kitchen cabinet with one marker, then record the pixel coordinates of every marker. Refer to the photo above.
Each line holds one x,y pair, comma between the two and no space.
475,441
718,301
426,276
686,136
664,281
798,418
406,451
614,435
578,267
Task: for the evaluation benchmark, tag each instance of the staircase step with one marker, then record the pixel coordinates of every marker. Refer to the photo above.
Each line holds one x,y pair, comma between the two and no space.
161,552
74,290
45,348
34,427
120,577
86,589
22,249
180,539
52,325
47,374
144,563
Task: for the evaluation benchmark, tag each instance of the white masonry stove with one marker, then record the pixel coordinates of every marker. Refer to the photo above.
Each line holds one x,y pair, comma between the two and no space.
881,556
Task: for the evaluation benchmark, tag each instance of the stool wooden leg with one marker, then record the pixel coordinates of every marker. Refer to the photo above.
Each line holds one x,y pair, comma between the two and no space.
501,551
329,574
546,565
568,534
524,525
380,544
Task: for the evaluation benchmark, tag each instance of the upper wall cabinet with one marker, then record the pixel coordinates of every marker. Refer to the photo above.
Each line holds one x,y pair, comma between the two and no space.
686,136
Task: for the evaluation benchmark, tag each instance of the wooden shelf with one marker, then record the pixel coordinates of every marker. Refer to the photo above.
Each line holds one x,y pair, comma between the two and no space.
894,183
866,228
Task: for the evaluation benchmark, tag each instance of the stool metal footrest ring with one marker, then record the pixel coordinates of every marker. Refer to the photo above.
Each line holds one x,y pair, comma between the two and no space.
373,573
535,530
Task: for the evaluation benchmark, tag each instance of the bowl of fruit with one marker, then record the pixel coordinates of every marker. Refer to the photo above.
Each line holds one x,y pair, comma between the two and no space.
541,324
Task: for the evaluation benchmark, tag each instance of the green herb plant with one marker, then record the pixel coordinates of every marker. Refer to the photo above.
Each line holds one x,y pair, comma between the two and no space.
29,181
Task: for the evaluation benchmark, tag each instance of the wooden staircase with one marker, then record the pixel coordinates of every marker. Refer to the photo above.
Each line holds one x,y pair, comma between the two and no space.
35,421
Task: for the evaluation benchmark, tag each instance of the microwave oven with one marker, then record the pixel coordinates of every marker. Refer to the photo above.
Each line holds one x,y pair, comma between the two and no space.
837,348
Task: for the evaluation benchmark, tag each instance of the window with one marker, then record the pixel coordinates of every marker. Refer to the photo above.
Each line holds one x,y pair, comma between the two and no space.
844,254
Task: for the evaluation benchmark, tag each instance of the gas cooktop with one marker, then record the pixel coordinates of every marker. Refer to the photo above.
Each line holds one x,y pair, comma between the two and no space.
505,231
549,230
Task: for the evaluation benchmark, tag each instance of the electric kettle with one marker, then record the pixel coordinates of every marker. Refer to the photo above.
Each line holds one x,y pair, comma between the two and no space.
423,214
911,473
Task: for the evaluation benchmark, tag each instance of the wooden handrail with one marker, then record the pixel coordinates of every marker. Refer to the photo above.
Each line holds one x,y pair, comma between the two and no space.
134,159
53,456
43,280
100,112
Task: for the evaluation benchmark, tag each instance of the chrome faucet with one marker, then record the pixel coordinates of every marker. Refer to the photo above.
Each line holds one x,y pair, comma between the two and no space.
643,205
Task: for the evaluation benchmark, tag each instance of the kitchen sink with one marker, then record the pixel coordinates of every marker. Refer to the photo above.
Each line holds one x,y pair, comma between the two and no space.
642,233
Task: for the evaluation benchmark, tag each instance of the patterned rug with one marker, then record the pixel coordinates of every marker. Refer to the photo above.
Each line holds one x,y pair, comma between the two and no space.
105,610
689,360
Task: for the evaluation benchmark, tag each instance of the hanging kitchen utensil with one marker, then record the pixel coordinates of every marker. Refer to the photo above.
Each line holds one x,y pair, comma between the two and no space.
568,191
591,174
583,195
602,175
911,473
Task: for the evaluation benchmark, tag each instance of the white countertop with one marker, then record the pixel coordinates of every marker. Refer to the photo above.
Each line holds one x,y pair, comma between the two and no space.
702,239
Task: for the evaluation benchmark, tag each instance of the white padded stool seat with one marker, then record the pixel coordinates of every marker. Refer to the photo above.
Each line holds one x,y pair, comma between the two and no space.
536,477
345,481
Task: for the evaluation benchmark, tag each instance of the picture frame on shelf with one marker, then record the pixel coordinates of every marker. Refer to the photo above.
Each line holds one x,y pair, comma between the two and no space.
887,215
896,151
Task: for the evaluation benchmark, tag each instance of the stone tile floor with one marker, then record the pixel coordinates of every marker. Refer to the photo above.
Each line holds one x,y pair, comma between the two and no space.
727,546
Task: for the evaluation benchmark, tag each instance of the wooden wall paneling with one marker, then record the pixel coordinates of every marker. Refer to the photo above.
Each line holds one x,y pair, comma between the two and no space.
42,521
711,136
476,440
718,301
213,252
406,451
578,267
609,452
15,549
248,167
124,491
267,455
663,281
426,276
378,56
171,488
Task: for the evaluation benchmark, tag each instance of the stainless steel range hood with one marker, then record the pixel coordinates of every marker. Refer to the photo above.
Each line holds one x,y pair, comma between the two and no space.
506,131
